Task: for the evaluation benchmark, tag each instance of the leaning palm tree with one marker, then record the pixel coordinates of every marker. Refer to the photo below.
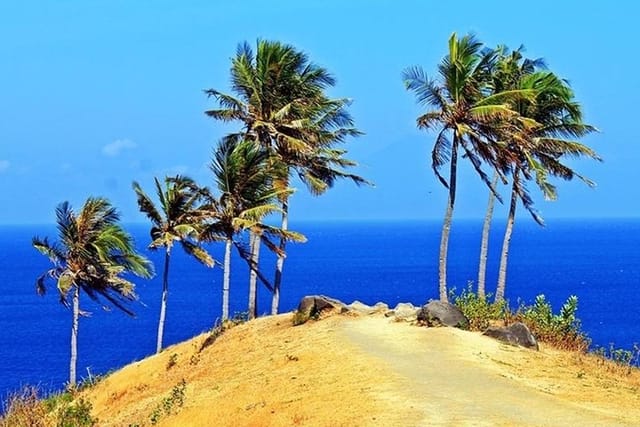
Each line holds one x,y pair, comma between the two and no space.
537,152
91,256
244,180
175,219
279,98
462,108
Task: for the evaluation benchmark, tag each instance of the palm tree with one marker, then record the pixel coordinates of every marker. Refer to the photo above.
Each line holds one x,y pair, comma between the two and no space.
175,219
91,256
536,152
508,69
462,109
484,243
244,179
280,100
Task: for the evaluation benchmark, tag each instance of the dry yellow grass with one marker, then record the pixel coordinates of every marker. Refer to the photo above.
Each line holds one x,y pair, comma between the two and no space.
261,373
349,371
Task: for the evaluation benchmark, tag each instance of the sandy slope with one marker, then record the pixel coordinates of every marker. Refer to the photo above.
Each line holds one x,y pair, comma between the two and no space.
350,371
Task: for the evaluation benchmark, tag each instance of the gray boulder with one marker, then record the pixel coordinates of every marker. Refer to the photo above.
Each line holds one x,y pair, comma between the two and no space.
514,334
439,313
312,306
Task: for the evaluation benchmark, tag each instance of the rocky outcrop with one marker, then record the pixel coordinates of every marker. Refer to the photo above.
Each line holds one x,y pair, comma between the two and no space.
439,313
312,306
514,334
403,312
433,313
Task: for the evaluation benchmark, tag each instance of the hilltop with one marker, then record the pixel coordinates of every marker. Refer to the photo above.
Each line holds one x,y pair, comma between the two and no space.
362,370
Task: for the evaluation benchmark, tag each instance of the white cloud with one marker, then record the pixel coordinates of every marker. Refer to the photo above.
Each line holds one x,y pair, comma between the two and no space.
4,165
116,147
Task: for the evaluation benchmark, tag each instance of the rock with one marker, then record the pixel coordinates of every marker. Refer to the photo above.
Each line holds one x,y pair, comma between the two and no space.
313,305
360,308
380,307
514,334
404,312
436,313
364,309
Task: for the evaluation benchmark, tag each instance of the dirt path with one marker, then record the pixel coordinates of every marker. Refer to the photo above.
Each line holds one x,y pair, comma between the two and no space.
456,378
346,371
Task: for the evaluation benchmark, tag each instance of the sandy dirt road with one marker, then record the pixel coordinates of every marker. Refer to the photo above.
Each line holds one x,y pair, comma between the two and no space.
454,378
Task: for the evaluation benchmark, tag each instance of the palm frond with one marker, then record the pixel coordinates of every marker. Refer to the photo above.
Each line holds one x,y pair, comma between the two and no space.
198,253
440,155
146,206
427,91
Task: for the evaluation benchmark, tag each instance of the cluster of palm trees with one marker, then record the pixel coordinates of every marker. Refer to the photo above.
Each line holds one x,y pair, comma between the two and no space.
505,113
288,127
496,108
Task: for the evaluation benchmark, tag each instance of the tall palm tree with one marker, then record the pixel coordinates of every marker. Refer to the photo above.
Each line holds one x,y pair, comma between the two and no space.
462,108
538,151
175,219
91,256
244,180
279,98
509,68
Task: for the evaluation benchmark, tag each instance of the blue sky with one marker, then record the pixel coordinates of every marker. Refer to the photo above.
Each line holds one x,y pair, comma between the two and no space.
94,95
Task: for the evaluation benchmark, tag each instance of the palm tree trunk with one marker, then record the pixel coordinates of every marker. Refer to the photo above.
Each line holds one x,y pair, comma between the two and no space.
275,300
253,275
446,226
163,301
502,274
74,337
484,244
226,279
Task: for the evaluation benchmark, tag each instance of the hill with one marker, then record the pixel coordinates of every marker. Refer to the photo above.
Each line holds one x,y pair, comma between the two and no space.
360,371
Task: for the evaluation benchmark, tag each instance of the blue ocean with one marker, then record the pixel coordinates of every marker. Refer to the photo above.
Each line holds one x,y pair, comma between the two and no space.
597,260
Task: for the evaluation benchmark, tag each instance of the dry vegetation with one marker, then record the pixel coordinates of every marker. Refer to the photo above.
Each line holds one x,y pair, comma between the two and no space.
261,373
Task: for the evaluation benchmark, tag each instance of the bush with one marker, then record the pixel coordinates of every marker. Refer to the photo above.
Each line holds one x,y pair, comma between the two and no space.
76,414
561,330
24,408
480,312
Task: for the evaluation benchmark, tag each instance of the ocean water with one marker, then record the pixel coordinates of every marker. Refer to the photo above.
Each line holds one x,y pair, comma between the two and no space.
599,261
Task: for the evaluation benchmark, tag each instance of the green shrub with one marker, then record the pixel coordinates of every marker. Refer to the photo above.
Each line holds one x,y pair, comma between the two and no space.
480,312
56,400
561,330
76,414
